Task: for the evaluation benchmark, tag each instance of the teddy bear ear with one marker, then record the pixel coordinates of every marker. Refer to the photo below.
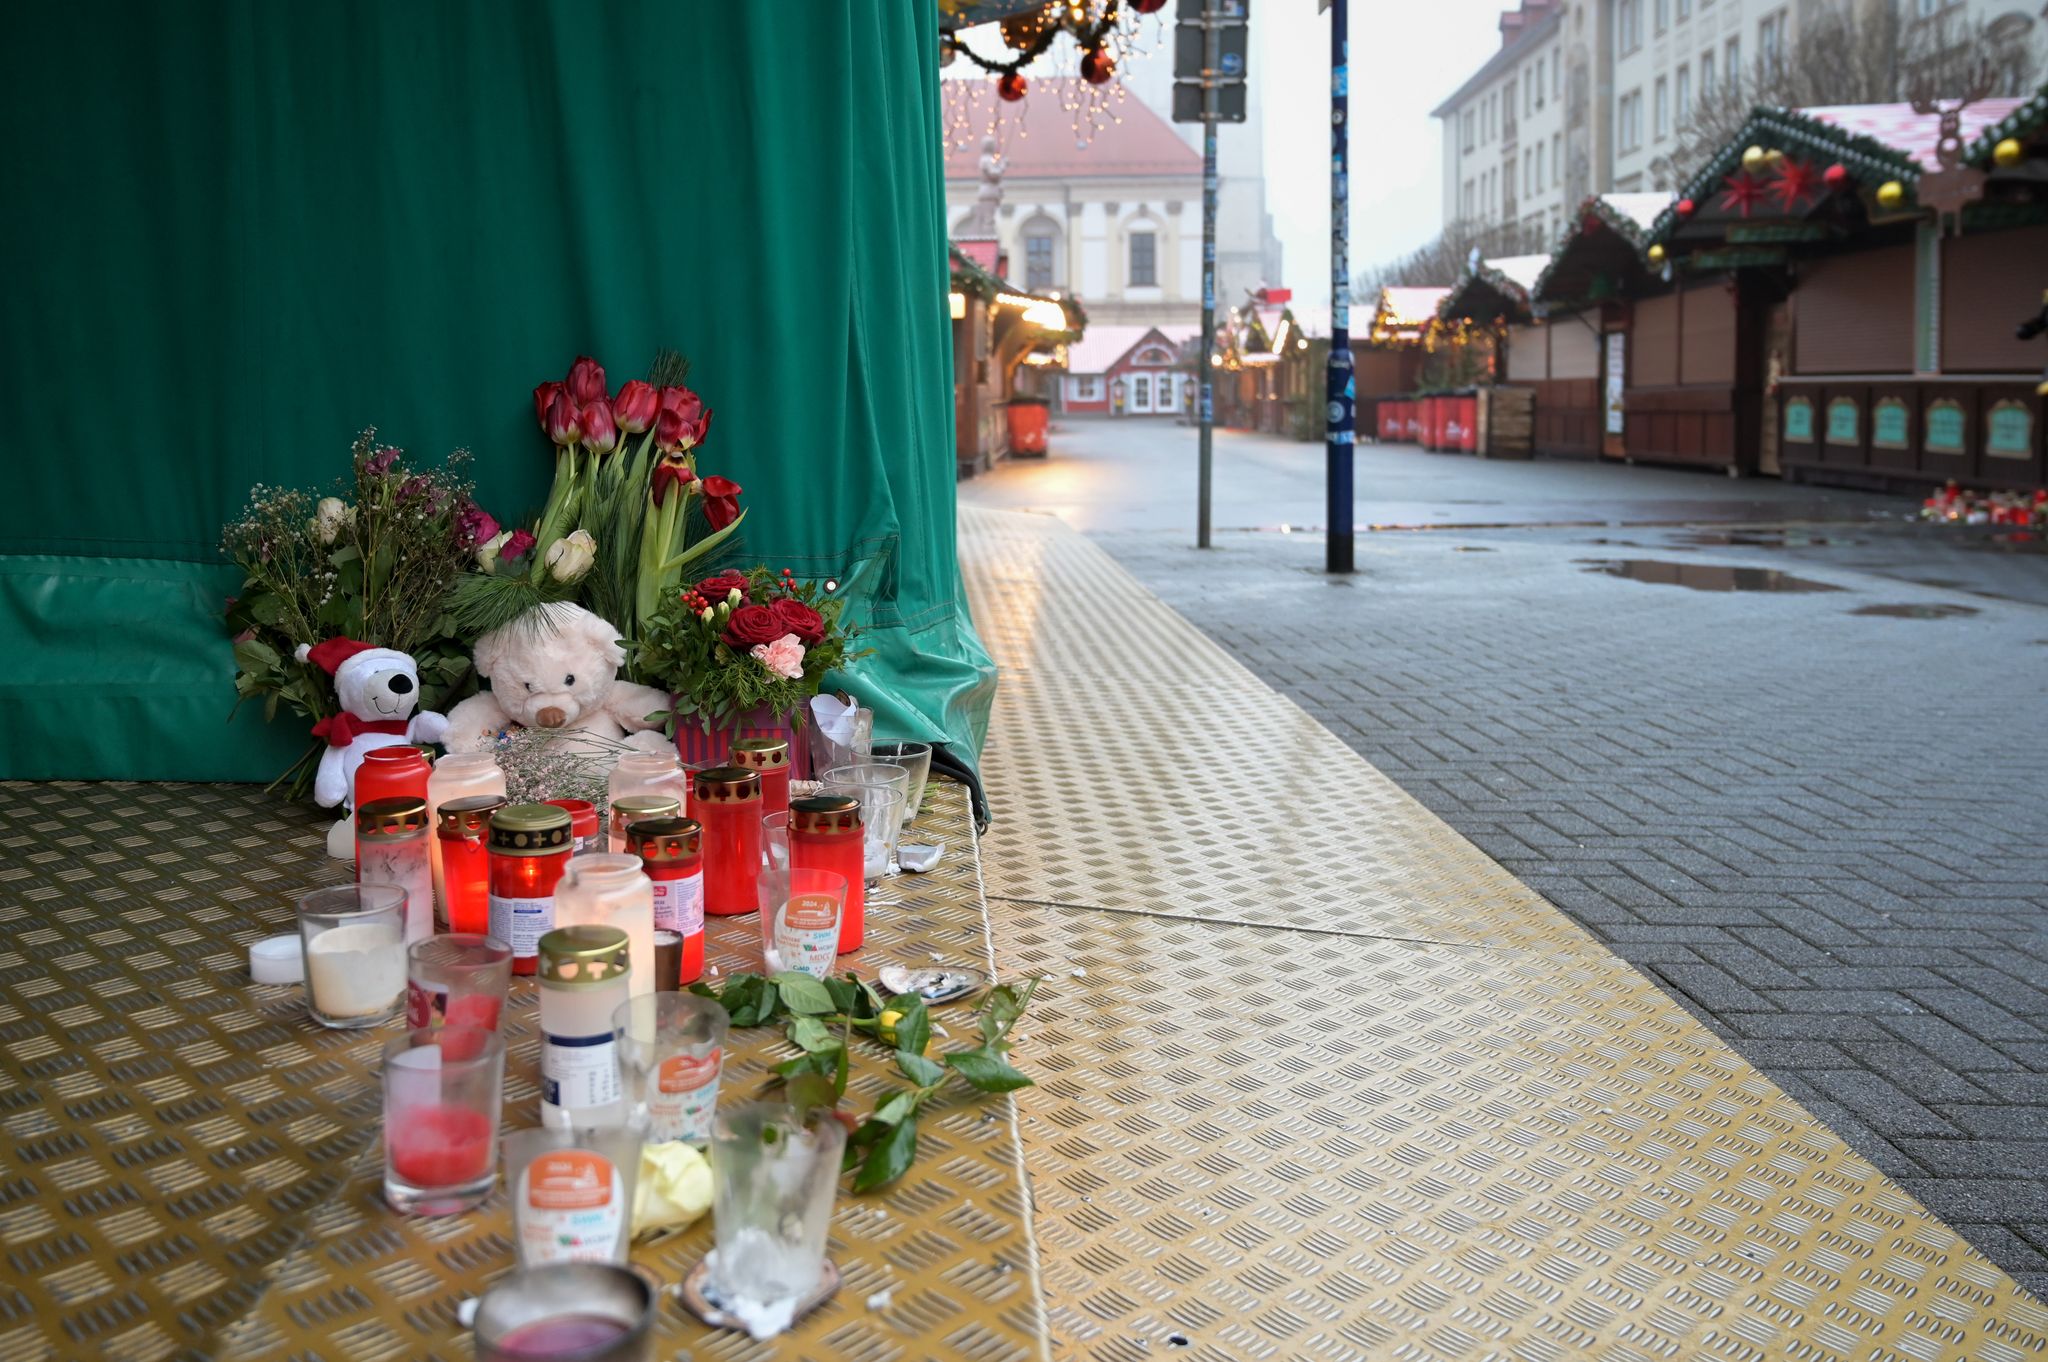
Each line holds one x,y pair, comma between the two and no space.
604,637
487,652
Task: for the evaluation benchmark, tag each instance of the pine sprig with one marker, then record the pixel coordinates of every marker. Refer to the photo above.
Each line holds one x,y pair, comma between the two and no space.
480,602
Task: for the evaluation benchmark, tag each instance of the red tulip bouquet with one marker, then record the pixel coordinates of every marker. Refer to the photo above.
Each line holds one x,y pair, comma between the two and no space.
745,641
617,530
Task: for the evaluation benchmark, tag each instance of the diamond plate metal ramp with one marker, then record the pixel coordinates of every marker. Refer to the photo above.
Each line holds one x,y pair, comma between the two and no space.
1319,1080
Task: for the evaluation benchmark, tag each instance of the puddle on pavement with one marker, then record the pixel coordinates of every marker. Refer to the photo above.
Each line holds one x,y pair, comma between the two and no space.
1760,539
1470,548
1702,576
1918,612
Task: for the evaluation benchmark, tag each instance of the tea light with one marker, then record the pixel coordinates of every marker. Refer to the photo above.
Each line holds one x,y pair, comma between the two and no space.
594,1311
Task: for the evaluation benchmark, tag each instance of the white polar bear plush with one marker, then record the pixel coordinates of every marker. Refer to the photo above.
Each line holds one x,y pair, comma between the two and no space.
378,689
556,667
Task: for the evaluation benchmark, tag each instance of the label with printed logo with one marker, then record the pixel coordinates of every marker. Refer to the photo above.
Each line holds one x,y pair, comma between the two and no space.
807,933
521,923
684,1098
571,1208
679,905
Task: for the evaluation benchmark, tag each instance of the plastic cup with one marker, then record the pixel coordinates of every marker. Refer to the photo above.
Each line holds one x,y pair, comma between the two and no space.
915,758
353,937
671,1054
800,915
776,1174
881,820
443,1091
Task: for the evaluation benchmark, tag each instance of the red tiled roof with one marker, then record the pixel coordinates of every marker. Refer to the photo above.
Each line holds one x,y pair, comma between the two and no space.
1037,136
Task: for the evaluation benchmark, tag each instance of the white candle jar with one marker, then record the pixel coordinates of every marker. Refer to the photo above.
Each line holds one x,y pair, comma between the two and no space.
393,847
353,936
645,773
600,890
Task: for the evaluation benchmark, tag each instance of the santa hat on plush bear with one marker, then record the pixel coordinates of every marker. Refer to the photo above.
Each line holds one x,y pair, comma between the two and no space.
347,659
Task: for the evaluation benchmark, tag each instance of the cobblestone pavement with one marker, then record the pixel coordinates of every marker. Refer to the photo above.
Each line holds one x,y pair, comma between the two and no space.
1819,830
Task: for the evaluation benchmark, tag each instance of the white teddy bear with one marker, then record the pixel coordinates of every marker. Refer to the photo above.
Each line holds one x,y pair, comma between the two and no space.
378,689
556,667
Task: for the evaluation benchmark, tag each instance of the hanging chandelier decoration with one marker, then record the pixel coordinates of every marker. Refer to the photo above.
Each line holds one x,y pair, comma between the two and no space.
1104,35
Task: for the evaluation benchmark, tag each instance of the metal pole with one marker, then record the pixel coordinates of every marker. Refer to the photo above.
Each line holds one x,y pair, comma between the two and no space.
1209,111
1340,386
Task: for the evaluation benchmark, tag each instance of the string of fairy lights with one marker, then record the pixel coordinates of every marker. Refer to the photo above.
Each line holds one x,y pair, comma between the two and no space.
1105,36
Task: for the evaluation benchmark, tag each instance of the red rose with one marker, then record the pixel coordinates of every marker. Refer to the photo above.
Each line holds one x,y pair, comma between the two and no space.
799,619
715,589
751,625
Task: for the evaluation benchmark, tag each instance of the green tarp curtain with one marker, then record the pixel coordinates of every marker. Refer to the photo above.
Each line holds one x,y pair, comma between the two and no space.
238,233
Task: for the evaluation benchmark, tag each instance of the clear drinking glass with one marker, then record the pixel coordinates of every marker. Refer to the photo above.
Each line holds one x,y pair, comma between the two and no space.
881,819
443,1091
775,841
916,760
800,913
353,936
458,979
776,1173
671,1053
572,1312
825,753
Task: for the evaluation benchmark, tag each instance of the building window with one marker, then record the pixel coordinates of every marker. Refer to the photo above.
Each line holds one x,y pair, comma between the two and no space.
1471,196
1507,103
1144,260
1630,133
1470,121
1556,159
1684,10
1038,261
1706,75
1557,74
1731,67
1529,83
1141,393
1535,81
1629,26
1770,40
1663,15
1087,388
1662,109
1684,93
1540,181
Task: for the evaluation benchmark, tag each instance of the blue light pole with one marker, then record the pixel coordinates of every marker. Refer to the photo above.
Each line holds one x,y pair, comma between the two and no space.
1340,384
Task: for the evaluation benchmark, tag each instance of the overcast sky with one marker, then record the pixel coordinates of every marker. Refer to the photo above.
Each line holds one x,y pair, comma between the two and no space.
1406,56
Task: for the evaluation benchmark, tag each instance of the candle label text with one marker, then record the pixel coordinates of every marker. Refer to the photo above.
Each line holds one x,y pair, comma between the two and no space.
521,923
679,905
570,1207
578,1071
807,934
684,1097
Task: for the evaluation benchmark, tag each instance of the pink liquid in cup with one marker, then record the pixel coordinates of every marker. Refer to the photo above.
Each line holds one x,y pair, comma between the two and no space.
474,1009
564,1335
441,1146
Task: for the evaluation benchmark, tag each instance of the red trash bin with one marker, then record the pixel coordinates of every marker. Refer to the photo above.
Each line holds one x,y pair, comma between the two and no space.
1027,425
1391,424
1468,424
1434,417
1412,418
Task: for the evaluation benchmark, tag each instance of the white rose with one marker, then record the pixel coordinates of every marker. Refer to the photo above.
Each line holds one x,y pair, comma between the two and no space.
569,558
329,517
487,552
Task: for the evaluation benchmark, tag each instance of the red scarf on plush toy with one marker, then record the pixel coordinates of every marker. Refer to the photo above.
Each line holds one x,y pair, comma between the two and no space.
341,730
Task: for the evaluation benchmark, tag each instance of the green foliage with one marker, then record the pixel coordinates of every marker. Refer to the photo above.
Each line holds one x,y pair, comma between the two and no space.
715,683
820,1019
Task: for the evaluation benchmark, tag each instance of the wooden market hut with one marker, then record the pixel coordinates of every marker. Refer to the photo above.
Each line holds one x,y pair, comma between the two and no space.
1493,296
1874,330
1263,376
1003,339
1388,356
1576,350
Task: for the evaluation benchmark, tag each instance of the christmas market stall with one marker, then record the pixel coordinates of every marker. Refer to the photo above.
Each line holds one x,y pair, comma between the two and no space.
1125,371
1492,298
1008,344
1876,260
1262,370
1581,340
1388,361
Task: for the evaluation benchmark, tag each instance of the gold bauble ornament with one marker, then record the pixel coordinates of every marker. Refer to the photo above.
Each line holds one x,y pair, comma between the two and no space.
1656,254
1891,194
1753,160
2008,152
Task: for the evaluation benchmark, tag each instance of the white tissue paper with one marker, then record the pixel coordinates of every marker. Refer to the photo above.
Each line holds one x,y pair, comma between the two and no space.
841,732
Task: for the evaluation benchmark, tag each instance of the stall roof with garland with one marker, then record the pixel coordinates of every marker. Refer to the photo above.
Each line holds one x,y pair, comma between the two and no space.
1403,312
1493,289
970,277
2029,119
1609,232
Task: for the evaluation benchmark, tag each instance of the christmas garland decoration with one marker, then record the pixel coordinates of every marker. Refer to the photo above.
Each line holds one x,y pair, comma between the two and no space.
1089,36
2027,119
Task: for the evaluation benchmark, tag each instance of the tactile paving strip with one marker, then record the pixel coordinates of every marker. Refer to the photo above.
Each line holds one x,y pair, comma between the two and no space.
1254,1143
180,1141
1134,764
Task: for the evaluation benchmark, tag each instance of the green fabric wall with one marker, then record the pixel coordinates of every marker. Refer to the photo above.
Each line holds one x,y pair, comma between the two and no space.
240,232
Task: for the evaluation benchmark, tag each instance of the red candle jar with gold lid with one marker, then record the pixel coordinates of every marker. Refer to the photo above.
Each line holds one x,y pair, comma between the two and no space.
670,849
530,846
769,757
726,801
400,770
825,834
463,828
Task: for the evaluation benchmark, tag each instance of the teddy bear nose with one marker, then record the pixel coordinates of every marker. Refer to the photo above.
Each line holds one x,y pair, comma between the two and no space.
401,685
550,717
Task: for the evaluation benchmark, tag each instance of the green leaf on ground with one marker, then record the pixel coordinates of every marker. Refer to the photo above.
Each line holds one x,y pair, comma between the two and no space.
988,1071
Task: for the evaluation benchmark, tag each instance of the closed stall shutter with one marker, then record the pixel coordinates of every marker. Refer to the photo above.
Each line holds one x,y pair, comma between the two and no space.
1709,353
1528,354
1989,282
1655,342
1574,347
1854,314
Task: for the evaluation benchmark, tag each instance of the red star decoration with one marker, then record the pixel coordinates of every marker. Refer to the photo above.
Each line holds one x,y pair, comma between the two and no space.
1796,180
1744,193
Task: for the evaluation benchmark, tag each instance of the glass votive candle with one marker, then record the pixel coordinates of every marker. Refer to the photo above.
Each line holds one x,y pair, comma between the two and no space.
459,775
726,803
915,760
572,1192
443,1091
353,936
627,810
568,1312
775,1174
671,1052
586,833
800,920
644,775
769,758
826,833
881,817
602,890
462,834
456,980
394,846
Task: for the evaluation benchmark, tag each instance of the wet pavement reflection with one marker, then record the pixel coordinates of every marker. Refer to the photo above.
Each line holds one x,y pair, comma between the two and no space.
1702,576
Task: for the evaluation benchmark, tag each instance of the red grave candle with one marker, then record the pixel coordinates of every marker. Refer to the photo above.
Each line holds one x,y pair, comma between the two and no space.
529,850
670,850
825,834
583,824
769,757
388,772
726,801
462,831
